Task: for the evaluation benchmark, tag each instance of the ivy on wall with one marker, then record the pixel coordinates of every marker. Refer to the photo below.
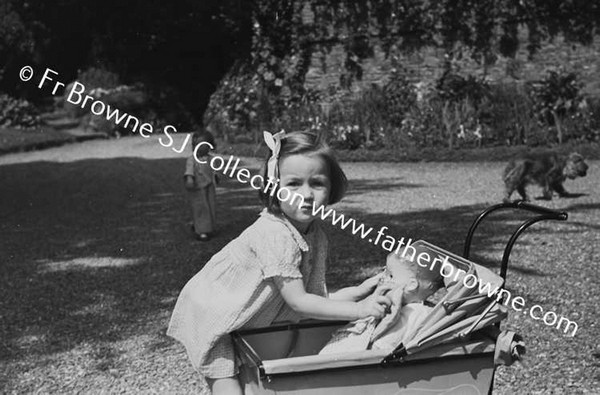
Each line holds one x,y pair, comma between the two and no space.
267,88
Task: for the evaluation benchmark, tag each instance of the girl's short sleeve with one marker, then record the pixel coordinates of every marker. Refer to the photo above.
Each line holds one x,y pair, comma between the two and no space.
189,167
277,253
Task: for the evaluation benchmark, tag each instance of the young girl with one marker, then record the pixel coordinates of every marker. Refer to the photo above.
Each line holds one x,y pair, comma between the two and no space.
275,270
200,182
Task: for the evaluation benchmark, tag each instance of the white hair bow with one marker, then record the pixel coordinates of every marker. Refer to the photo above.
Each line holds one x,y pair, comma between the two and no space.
274,143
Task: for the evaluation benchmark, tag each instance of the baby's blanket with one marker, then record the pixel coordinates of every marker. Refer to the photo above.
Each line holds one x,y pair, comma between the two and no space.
357,335
409,321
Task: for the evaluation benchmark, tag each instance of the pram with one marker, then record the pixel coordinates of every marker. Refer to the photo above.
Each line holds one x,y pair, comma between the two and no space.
451,353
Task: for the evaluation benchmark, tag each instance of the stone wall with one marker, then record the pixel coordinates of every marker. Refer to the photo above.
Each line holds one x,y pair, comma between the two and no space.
427,65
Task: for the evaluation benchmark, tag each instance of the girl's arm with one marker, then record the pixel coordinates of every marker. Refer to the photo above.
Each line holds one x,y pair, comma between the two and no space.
188,176
351,294
315,306
358,292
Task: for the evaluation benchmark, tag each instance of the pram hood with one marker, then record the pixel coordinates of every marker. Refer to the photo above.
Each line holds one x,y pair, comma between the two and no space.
463,310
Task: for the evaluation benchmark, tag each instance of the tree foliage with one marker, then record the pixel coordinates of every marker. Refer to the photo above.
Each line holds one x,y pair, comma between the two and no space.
183,47
189,45
288,33
487,27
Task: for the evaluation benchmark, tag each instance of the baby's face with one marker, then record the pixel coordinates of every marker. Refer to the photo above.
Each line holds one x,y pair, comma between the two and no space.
424,290
398,268
399,272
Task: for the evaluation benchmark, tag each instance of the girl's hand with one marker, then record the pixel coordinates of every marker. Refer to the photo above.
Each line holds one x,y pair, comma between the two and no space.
377,305
367,287
189,183
389,320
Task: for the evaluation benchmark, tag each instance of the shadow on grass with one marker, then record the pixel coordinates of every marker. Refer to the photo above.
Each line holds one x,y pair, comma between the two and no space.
446,228
94,251
585,206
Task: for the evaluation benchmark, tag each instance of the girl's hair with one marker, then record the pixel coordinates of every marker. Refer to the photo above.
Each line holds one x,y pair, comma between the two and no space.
304,143
203,135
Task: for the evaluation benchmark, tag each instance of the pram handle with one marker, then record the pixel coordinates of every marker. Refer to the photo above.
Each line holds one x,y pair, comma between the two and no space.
545,214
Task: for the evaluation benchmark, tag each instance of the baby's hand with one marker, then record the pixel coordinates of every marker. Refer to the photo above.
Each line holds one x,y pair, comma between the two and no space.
377,305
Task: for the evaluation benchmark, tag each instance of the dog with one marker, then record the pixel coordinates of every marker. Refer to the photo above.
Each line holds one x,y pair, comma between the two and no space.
548,170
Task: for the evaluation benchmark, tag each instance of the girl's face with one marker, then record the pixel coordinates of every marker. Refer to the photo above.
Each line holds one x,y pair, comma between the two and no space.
307,176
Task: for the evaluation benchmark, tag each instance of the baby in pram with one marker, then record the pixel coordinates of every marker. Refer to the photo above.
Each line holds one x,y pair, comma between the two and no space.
411,284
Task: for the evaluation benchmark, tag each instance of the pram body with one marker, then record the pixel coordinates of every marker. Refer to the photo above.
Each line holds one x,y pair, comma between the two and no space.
453,353
460,368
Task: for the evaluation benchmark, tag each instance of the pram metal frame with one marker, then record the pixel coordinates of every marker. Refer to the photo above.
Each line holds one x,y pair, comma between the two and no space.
545,214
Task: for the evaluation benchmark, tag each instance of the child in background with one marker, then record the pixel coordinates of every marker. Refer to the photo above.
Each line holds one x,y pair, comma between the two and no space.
275,270
200,183
411,285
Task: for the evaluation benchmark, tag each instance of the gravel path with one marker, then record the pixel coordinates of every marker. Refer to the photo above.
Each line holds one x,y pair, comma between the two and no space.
94,249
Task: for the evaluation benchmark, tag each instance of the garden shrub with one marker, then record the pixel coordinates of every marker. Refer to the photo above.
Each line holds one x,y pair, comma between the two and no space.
239,103
356,120
128,99
17,113
556,100
449,114
341,121
399,97
509,114
346,137
457,111
373,117
422,125
97,82
371,109
94,77
156,105
589,117
452,86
